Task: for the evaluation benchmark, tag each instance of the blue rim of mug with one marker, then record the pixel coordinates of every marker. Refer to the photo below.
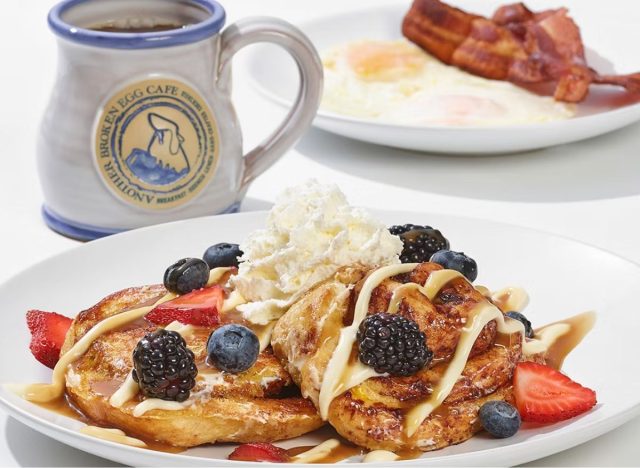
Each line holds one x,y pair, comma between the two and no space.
85,232
148,40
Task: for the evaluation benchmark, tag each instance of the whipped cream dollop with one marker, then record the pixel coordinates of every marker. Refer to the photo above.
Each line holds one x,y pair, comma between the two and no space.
311,232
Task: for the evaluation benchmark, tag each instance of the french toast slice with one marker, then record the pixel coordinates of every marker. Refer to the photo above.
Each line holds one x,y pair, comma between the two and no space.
258,405
372,414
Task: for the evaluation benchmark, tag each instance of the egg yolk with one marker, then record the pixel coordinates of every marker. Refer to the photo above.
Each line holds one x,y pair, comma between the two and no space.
379,61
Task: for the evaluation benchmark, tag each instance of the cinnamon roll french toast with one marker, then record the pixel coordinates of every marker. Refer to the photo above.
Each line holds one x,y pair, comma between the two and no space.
474,348
224,407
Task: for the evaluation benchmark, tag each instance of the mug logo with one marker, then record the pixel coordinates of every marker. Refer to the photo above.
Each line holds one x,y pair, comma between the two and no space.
156,144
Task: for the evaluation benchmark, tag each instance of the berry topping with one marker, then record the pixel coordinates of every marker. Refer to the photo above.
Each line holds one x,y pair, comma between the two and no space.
401,229
392,344
200,307
500,419
233,348
259,452
163,366
186,275
528,330
421,243
222,255
48,331
545,395
457,261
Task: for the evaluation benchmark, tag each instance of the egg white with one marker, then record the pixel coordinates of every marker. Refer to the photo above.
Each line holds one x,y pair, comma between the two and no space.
397,82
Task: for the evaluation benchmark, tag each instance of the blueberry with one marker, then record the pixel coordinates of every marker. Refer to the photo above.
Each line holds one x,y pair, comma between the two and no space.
186,275
222,255
528,330
500,419
457,261
233,348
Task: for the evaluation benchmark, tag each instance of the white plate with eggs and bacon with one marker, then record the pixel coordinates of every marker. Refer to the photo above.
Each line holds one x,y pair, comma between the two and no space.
383,89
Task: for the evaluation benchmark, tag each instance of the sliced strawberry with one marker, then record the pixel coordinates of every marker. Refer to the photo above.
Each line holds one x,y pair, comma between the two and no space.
260,452
48,331
198,307
545,395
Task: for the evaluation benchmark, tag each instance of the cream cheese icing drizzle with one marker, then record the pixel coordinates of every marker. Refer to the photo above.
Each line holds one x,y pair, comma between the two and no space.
340,376
482,314
317,453
186,331
151,404
113,435
510,298
379,456
43,393
126,391
333,382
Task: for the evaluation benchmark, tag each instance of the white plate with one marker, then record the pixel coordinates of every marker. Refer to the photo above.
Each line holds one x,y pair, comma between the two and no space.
273,73
563,277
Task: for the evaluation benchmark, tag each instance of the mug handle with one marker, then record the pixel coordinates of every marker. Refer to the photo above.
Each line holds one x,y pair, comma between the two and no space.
264,29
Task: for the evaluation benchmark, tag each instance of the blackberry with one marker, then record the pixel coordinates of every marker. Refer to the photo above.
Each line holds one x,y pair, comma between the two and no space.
421,243
392,344
398,229
163,366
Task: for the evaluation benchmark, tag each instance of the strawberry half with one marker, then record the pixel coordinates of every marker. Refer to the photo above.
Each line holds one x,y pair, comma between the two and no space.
545,395
200,307
48,331
260,452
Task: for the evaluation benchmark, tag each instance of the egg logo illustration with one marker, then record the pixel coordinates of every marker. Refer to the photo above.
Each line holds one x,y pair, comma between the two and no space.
156,144
164,161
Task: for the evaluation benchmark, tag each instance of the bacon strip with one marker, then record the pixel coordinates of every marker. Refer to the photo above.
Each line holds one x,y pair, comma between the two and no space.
515,45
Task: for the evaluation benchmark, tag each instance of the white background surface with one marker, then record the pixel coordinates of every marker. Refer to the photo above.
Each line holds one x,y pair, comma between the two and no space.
588,191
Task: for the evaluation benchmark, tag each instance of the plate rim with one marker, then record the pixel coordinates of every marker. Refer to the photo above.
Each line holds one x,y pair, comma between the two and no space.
577,436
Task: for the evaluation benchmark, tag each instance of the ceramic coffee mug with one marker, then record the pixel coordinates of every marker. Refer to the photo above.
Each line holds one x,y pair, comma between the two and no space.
140,128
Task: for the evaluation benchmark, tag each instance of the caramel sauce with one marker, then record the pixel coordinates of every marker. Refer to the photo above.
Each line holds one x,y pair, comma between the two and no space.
106,388
292,452
342,452
160,447
141,323
505,340
409,454
441,411
64,407
580,325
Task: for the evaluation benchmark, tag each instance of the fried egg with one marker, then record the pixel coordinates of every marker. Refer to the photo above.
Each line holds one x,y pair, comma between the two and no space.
397,82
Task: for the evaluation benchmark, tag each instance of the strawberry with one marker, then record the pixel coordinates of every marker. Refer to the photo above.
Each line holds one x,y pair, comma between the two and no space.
48,331
260,452
198,307
545,395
